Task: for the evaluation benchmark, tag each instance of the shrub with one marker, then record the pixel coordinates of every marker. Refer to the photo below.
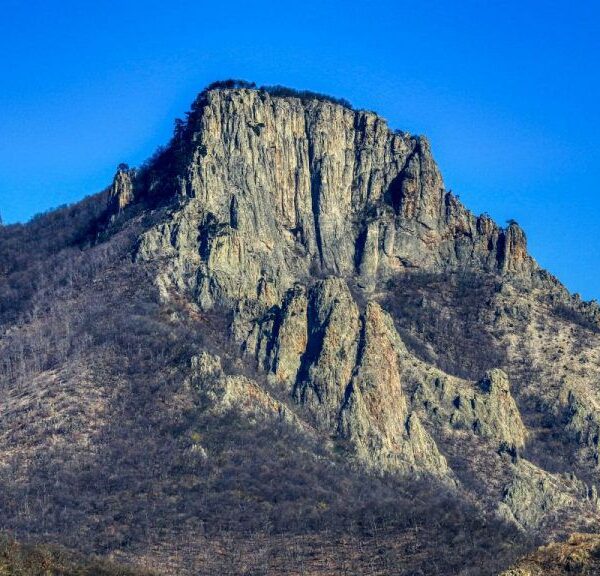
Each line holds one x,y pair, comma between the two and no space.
284,92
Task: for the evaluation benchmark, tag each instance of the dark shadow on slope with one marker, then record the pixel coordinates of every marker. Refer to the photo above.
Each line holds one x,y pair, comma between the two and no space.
447,319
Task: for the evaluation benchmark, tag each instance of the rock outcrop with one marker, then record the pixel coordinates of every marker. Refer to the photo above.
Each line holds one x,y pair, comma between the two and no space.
280,325
512,254
276,189
579,554
535,497
582,422
328,361
344,367
294,213
220,392
375,415
121,193
487,408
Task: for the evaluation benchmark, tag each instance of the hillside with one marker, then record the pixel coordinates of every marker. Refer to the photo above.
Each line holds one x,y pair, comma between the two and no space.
579,554
21,560
281,346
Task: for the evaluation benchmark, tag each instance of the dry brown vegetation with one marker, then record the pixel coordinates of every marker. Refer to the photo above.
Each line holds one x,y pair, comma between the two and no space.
100,437
447,320
28,560
580,555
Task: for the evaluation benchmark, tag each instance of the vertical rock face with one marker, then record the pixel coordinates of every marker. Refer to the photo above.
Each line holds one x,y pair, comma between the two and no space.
290,339
488,408
345,368
121,191
330,355
583,423
278,188
513,249
298,170
375,415
495,412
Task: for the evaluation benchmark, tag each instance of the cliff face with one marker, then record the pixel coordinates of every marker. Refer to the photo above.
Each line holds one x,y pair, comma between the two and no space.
274,192
121,192
277,189
296,213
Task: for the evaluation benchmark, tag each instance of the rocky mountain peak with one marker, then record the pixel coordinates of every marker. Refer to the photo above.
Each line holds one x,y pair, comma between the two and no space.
282,187
284,319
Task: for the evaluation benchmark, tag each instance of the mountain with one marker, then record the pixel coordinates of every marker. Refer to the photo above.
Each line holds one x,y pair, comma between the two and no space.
281,346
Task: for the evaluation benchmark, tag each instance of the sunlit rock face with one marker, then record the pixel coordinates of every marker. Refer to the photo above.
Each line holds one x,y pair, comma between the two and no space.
121,193
486,407
283,325
296,215
278,189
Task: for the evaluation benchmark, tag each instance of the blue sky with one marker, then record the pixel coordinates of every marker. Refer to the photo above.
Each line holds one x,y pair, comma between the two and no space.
507,93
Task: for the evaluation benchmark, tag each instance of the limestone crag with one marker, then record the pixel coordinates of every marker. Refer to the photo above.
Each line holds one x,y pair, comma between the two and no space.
121,193
333,322
488,408
583,422
535,497
291,341
273,189
219,391
375,415
345,368
277,190
296,215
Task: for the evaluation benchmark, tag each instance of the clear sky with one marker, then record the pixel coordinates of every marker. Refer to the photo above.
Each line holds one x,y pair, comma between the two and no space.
507,92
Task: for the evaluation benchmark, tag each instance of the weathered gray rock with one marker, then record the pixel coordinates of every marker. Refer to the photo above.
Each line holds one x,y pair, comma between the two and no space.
535,497
330,355
290,338
375,415
486,408
512,254
285,202
583,422
345,368
220,391
279,188
121,192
